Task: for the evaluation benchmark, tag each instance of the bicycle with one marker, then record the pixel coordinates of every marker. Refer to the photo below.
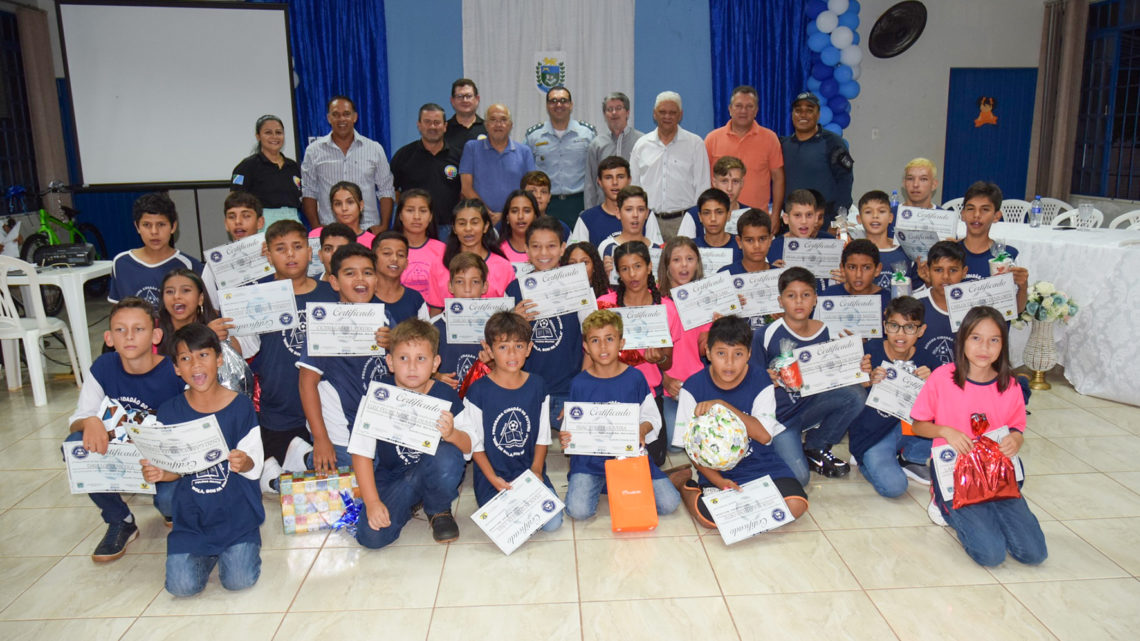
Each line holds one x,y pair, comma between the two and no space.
46,236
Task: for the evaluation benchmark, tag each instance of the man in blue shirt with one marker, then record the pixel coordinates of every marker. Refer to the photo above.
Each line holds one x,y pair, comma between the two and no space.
492,168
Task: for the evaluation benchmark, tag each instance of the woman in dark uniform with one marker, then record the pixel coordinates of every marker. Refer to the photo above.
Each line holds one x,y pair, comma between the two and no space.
269,175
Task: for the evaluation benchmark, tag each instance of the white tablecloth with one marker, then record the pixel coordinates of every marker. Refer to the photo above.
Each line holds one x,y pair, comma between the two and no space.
1100,270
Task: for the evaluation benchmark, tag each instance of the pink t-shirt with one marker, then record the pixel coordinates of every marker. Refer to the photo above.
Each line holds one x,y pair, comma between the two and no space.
652,372
365,238
686,353
944,403
499,275
421,260
512,255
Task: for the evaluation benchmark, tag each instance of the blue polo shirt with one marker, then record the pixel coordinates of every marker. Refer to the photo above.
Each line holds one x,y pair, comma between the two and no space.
494,174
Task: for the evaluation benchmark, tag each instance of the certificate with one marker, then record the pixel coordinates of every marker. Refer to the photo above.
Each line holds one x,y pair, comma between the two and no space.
401,417
466,317
559,291
603,429
818,255
182,448
757,507
697,301
260,308
733,220
896,394
116,471
239,262
917,229
316,267
760,291
513,515
826,366
645,326
522,269
999,292
861,315
343,329
713,258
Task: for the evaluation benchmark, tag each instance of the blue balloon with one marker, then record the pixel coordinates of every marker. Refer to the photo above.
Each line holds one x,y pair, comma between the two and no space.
819,42
829,55
812,84
849,89
838,104
834,128
820,71
829,88
849,20
843,74
842,119
820,98
811,28
853,6
855,40
825,115
814,8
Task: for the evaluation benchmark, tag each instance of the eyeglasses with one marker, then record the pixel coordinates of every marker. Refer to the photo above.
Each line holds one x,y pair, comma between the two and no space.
557,101
894,328
464,96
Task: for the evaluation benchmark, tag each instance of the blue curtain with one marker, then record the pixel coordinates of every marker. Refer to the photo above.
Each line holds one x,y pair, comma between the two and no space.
763,44
340,47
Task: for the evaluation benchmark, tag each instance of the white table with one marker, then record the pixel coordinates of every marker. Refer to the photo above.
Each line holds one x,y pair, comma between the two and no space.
70,281
1100,270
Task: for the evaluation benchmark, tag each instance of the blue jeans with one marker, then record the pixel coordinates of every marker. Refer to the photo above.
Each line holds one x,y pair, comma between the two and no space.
112,506
239,567
669,415
343,458
584,489
434,481
832,411
880,464
988,530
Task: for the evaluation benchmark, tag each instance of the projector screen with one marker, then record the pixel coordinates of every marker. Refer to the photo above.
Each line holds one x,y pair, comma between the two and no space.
169,95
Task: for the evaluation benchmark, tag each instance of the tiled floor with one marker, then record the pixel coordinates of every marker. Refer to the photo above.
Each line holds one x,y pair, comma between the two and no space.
857,566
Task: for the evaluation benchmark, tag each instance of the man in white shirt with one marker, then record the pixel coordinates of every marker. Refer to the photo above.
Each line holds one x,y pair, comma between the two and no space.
670,164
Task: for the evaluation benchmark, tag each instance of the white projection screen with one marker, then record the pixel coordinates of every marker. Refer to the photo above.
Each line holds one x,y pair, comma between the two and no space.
168,95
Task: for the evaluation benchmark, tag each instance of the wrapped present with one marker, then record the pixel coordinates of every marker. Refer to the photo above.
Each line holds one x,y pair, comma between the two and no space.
716,439
312,501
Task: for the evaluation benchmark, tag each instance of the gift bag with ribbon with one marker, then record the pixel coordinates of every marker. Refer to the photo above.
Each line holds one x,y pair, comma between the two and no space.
630,489
477,371
983,474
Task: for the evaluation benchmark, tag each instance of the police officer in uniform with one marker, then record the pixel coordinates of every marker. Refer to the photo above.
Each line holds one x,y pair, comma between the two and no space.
815,158
559,146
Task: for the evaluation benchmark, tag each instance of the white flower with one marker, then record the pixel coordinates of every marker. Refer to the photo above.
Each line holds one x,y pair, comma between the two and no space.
1044,288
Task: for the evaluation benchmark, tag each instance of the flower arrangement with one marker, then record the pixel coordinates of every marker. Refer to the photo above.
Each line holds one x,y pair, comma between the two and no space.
1047,304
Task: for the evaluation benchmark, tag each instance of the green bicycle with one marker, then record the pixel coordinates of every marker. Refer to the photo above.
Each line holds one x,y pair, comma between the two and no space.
72,232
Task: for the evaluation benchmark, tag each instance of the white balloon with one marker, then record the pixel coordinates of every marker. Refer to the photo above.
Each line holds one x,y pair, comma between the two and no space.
842,37
851,55
838,7
855,71
827,21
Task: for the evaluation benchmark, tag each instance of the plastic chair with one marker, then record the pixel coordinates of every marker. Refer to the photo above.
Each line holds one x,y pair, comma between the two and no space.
954,204
1050,207
1070,218
1129,220
1014,210
30,330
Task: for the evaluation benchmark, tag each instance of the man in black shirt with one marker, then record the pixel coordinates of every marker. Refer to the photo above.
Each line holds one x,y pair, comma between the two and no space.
432,164
465,125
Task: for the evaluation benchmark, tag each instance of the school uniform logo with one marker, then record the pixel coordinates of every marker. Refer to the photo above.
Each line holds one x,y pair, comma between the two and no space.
510,430
375,368
463,365
211,480
942,347
408,455
450,172
294,339
151,295
547,334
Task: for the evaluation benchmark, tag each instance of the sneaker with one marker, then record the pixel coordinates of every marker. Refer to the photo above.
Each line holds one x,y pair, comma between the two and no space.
444,529
114,543
915,471
823,462
270,470
295,455
168,521
935,514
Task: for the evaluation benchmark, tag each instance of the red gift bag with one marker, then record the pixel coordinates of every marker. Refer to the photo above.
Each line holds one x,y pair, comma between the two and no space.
478,370
983,474
630,488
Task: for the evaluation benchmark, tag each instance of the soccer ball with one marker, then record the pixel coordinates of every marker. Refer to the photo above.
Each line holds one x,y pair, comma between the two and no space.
716,439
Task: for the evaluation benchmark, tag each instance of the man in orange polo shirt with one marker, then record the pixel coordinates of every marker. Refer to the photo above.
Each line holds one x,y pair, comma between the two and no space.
757,146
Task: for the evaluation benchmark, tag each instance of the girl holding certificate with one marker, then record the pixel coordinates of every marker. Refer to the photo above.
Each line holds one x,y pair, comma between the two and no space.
585,253
680,265
414,220
518,213
184,302
471,233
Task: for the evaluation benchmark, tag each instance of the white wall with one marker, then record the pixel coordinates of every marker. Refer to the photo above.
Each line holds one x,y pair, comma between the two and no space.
901,109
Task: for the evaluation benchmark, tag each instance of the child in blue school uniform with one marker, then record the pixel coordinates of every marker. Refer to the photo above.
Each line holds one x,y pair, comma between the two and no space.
800,220
138,272
139,380
714,209
507,414
875,216
747,392
468,279
860,266
945,265
754,237
218,511
981,208
243,217
391,249
393,479
608,380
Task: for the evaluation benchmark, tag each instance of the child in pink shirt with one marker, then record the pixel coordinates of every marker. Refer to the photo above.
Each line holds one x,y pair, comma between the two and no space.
415,222
347,203
680,265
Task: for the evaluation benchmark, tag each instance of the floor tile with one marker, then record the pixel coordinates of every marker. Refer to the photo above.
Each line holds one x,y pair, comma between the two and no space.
1082,496
273,535
1123,416
151,539
116,589
1105,453
844,615
537,572
658,619
1048,456
1066,392
1130,480
644,568
19,572
45,532
1047,400
360,579
679,523
857,505
1070,557
1082,610
549,621
86,629
779,562
1070,422
247,627
918,556
33,454
282,572
1115,538
55,491
16,485
976,612
343,624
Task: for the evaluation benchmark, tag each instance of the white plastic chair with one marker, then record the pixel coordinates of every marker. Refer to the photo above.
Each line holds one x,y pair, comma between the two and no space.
954,204
1050,207
1014,210
1129,220
30,330
1070,218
